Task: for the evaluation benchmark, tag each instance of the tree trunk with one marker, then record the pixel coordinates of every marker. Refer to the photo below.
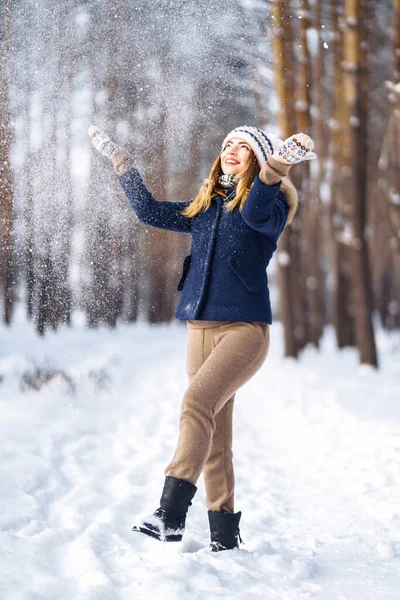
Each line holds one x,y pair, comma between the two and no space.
307,176
356,98
339,154
159,307
389,189
318,221
284,85
6,180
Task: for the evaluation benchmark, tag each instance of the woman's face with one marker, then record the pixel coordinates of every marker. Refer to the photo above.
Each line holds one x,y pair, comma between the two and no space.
235,156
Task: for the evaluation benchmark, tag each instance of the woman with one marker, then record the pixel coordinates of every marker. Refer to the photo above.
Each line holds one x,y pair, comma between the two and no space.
235,222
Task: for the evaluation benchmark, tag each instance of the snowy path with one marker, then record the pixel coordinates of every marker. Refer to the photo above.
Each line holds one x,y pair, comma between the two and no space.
317,455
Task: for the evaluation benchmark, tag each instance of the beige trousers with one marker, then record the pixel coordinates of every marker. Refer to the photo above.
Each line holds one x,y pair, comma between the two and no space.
221,357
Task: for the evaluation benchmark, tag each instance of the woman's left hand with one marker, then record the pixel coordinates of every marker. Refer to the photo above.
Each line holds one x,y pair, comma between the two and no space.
295,149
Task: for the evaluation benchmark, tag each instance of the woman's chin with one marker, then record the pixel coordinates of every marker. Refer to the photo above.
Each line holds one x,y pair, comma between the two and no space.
227,171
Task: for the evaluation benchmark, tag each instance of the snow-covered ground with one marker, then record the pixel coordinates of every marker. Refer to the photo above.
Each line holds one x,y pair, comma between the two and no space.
317,455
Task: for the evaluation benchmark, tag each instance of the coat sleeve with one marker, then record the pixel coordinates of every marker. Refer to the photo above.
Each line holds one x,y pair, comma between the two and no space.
165,215
266,208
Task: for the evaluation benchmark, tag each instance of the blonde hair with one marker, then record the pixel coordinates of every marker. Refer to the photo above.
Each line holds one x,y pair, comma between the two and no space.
211,187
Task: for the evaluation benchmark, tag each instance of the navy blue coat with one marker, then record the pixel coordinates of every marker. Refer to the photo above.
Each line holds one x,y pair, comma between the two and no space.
224,278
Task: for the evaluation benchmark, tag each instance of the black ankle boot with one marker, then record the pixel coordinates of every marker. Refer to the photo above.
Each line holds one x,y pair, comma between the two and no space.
224,530
167,523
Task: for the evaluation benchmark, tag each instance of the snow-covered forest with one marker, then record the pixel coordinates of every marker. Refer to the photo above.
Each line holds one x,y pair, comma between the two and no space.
168,80
92,363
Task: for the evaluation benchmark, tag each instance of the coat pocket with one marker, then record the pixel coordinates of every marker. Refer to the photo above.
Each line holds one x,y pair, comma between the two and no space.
185,269
243,269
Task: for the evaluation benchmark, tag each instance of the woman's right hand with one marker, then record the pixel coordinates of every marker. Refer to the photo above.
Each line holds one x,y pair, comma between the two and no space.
101,141
121,161
119,157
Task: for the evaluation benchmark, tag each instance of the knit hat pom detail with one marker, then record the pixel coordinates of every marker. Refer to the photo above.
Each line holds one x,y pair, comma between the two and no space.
262,144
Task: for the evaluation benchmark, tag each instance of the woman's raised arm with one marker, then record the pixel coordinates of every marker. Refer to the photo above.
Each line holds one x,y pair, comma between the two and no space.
267,208
164,215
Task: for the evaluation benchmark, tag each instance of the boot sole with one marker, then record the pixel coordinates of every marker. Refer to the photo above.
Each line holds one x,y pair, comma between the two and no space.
173,537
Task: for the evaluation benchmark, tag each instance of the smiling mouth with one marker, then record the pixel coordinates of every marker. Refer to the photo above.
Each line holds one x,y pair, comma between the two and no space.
231,162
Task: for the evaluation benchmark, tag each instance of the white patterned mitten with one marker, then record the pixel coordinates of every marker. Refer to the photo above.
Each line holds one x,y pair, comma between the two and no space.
101,141
295,149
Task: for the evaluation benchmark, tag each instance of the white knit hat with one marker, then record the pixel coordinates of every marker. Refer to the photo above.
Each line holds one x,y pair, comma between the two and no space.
263,145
